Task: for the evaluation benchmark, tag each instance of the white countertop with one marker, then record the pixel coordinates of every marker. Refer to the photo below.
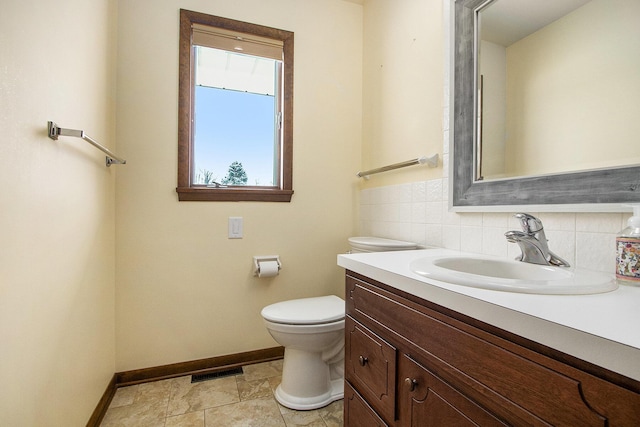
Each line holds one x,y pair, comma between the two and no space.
603,329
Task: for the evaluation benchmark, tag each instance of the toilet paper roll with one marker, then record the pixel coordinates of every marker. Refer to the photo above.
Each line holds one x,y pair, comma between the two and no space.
267,268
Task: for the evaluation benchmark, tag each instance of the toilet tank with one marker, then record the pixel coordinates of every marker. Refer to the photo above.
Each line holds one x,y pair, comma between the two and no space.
378,244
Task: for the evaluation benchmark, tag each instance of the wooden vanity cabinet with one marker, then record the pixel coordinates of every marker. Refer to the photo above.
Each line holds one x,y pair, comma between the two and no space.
409,362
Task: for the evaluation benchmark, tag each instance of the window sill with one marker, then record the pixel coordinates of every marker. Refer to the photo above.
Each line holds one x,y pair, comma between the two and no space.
204,194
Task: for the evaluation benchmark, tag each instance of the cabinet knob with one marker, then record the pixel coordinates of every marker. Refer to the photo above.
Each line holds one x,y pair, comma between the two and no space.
363,360
411,383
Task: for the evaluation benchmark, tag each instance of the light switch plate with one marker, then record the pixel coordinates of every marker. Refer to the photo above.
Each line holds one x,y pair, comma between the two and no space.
235,227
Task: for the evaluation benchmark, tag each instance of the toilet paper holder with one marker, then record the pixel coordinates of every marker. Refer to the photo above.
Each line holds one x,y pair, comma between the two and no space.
258,259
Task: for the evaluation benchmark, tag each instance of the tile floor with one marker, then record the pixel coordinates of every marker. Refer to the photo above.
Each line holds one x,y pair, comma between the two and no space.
242,400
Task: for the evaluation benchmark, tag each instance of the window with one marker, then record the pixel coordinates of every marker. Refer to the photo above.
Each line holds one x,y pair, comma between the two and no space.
235,110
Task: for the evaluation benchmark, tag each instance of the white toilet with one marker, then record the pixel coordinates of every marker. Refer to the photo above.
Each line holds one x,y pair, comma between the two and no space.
311,330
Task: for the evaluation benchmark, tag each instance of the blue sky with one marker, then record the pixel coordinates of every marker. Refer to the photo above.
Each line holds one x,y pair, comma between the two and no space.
234,126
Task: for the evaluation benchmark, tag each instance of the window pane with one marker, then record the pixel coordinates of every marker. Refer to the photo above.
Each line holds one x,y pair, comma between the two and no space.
235,111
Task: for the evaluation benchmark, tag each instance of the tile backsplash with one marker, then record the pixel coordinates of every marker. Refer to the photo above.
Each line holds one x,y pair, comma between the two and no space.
418,212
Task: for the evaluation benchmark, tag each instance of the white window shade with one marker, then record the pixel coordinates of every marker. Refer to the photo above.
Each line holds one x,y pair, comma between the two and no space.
234,41
227,70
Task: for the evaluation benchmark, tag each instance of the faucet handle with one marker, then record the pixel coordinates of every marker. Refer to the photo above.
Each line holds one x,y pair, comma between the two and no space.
530,224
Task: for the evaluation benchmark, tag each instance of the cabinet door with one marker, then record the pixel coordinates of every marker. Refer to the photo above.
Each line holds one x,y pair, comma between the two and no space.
370,366
426,400
357,413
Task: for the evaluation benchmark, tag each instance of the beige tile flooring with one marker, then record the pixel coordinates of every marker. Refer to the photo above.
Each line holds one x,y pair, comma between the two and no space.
242,400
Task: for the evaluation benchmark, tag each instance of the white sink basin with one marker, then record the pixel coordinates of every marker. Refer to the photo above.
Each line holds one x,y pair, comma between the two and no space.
512,276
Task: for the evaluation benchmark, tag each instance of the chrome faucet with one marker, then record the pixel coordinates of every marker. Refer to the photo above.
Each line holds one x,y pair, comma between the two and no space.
533,242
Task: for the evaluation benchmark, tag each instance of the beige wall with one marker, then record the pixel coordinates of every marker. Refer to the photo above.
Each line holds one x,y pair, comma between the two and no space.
573,91
403,87
184,290
57,344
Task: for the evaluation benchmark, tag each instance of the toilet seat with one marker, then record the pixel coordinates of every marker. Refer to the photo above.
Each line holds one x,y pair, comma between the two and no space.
306,311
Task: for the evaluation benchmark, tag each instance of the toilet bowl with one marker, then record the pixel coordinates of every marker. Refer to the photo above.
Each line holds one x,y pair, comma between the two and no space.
311,330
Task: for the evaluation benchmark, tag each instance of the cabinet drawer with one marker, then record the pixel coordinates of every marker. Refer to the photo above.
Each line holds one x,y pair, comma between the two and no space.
370,366
356,411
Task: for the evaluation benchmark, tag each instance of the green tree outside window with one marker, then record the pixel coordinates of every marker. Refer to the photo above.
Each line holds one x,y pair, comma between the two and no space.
236,175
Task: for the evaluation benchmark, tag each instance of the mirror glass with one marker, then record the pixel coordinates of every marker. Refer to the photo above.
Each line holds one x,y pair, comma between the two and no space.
546,104
558,86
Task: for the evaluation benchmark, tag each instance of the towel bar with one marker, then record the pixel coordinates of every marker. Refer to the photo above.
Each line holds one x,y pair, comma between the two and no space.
432,161
55,131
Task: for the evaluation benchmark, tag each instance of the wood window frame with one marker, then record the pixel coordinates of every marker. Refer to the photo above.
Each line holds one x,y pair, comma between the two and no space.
186,190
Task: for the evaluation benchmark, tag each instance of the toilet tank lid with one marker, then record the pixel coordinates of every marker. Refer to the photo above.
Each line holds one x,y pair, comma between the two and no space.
380,244
306,311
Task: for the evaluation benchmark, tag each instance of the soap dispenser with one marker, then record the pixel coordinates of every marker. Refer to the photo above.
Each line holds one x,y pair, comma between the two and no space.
628,251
